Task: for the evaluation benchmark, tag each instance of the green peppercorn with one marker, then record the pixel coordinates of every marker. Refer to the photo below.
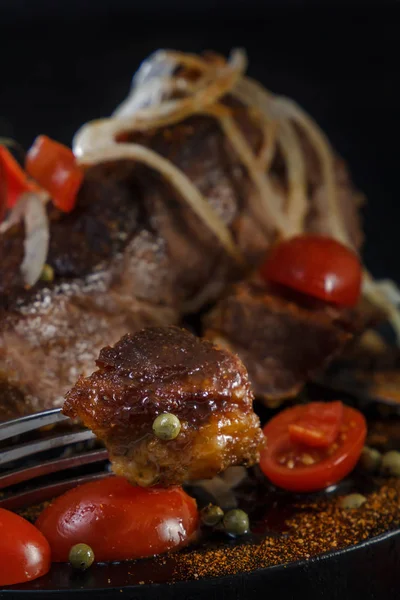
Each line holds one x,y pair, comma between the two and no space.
391,463
47,273
166,426
211,515
370,459
81,557
352,501
236,522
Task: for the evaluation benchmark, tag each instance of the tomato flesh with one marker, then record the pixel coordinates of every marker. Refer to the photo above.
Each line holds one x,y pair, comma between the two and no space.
318,425
54,167
317,266
119,521
24,551
291,462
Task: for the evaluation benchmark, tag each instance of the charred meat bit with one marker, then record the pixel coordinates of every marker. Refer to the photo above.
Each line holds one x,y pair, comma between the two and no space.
168,370
281,342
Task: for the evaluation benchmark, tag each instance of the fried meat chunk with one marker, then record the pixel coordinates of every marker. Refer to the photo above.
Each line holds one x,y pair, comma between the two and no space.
281,342
168,370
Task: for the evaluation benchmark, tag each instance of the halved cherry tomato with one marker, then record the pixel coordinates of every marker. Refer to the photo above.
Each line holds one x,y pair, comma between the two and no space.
53,166
317,266
13,180
301,467
24,551
119,521
318,425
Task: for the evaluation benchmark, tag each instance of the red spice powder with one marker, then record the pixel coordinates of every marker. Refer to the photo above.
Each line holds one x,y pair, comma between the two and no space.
318,527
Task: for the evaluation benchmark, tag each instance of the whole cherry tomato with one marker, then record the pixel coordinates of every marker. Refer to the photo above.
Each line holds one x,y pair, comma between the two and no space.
292,460
119,521
317,266
24,551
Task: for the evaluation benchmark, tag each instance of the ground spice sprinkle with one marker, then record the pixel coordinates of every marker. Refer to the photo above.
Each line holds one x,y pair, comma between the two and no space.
316,528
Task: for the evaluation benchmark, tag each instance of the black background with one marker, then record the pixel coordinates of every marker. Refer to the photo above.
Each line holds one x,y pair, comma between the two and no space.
65,62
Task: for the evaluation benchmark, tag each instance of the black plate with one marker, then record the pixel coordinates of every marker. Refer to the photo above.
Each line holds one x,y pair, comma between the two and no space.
368,571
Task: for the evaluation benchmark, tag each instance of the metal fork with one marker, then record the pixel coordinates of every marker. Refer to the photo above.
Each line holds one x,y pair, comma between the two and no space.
22,460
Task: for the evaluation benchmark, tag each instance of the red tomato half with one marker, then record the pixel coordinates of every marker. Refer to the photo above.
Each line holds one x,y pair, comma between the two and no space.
53,166
317,266
119,521
24,551
301,467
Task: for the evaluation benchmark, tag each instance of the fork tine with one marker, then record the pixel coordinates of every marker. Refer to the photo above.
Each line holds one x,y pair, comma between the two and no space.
14,452
52,466
35,496
30,448
15,427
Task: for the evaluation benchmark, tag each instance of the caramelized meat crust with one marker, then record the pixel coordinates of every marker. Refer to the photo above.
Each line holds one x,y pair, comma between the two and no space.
168,370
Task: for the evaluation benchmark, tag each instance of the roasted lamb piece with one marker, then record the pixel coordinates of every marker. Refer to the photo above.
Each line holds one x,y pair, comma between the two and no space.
133,253
283,338
168,370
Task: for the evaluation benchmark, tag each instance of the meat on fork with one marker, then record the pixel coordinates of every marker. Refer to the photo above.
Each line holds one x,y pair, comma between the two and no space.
168,370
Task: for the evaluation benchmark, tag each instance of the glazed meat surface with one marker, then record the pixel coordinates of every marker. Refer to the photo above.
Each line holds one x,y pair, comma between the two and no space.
282,343
168,370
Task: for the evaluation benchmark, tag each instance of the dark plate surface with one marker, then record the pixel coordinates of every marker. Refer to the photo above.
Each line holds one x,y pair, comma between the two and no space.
367,571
